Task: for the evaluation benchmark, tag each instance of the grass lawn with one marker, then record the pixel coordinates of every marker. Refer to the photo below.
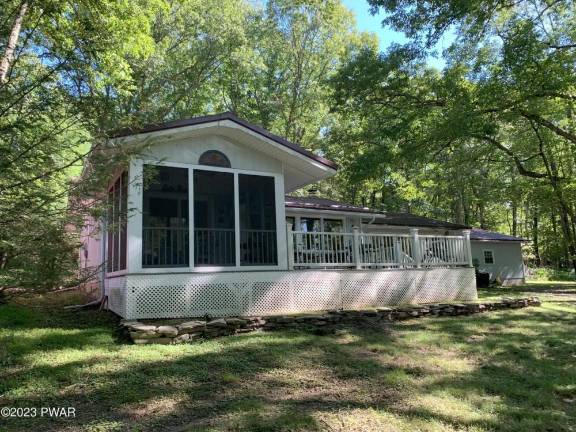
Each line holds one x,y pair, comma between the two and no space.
509,370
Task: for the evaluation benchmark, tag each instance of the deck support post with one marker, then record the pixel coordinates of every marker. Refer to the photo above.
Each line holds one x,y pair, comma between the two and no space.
356,247
290,246
416,247
467,247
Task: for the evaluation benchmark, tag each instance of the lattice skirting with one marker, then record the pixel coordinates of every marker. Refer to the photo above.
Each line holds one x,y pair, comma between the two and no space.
117,295
283,292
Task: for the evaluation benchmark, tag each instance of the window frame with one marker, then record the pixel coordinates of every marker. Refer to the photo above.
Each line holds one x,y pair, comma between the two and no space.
298,217
135,229
491,255
123,226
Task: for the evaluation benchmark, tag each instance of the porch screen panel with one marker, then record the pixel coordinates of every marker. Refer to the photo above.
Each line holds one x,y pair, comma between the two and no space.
214,228
117,208
257,220
165,235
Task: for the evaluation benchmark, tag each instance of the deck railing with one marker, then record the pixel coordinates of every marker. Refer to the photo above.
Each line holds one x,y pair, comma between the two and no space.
361,250
165,247
214,247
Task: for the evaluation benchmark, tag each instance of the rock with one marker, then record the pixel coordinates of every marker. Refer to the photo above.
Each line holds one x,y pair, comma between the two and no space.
306,318
142,328
245,330
216,323
182,338
192,327
168,330
281,319
473,308
143,335
163,341
236,322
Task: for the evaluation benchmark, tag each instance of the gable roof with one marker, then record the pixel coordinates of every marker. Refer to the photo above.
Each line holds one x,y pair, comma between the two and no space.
231,117
380,217
479,234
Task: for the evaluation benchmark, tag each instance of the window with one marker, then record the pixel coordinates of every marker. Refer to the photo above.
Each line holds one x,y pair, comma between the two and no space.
214,227
310,224
257,220
333,225
165,236
488,257
214,158
233,222
291,220
117,213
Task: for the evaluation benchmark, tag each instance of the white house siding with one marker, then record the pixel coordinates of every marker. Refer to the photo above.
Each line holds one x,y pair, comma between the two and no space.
189,150
269,293
508,266
185,153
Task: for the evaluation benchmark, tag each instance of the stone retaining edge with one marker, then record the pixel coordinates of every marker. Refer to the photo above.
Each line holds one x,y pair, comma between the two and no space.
195,330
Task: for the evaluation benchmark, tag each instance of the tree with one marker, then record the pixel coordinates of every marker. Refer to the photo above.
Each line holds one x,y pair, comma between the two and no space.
280,80
506,94
55,59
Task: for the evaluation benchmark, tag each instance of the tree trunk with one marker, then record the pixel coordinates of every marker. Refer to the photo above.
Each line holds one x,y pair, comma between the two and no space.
537,259
514,219
8,56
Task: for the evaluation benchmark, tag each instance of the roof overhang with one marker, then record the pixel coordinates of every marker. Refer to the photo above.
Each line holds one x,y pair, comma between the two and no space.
300,166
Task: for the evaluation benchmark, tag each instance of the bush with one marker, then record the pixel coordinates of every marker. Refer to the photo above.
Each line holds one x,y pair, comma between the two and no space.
551,274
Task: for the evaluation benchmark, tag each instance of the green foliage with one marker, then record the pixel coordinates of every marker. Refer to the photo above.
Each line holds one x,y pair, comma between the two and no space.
489,140
430,374
84,68
546,274
51,120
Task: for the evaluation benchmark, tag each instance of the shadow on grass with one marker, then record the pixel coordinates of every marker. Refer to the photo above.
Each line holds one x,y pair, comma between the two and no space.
519,375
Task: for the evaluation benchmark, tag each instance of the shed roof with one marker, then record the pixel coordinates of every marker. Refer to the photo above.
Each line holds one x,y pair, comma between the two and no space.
226,116
479,234
381,218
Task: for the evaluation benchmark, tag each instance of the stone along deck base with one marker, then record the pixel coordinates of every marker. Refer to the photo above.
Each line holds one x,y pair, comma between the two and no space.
171,332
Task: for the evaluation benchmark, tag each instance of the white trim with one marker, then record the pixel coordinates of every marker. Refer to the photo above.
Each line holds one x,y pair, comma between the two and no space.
324,211
227,126
298,217
484,256
191,238
236,220
135,223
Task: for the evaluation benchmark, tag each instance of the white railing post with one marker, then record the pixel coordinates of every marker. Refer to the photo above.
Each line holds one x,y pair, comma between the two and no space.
415,247
398,251
290,246
356,247
467,247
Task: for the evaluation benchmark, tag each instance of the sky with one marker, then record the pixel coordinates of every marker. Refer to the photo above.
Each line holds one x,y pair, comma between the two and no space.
367,22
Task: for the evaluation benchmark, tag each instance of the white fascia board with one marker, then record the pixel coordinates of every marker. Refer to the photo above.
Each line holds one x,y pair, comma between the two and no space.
298,210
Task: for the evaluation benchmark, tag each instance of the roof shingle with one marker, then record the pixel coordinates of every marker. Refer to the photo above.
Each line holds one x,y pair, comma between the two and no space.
381,218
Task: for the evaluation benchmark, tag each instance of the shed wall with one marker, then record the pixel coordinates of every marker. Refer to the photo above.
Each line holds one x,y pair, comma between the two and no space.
508,264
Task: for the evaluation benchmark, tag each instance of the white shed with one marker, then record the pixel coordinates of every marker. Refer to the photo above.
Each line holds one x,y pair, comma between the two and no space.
498,254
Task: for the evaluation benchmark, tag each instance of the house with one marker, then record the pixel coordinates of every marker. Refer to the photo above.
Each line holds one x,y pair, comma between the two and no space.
498,254
210,230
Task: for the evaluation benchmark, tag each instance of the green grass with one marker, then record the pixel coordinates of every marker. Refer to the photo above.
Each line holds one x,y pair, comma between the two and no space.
509,370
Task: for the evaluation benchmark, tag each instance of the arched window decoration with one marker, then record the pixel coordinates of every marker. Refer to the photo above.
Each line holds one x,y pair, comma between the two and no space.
214,158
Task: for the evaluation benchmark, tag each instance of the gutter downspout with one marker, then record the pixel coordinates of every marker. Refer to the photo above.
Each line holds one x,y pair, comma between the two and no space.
369,223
